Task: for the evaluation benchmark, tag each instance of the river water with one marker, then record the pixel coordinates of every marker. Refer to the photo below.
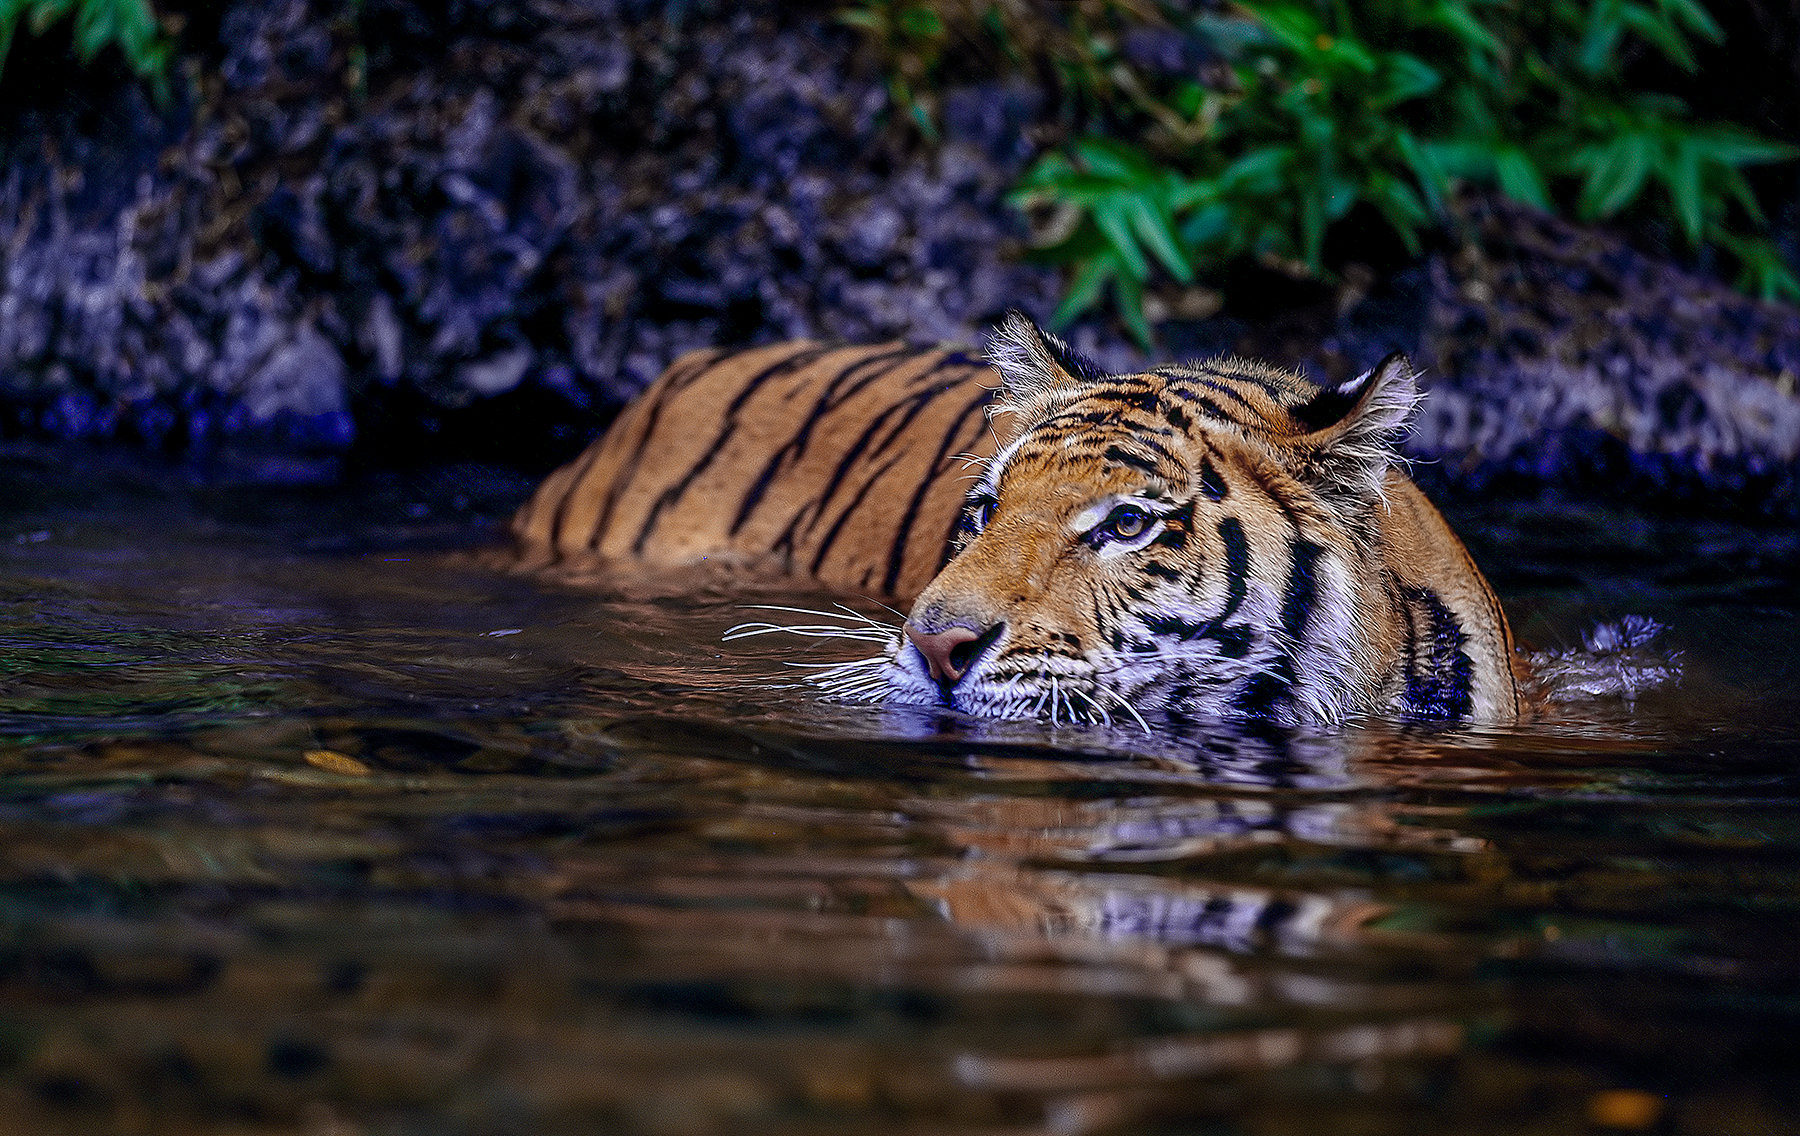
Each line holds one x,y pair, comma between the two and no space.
308,827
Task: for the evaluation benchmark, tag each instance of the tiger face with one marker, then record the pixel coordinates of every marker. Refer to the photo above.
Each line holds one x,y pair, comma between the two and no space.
1205,539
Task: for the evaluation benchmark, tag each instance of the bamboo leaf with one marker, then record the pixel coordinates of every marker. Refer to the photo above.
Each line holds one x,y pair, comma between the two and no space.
1084,289
1312,226
1519,178
93,29
1408,77
1155,229
45,13
1600,39
1698,19
1114,218
1130,294
1426,167
1655,31
1683,180
1617,175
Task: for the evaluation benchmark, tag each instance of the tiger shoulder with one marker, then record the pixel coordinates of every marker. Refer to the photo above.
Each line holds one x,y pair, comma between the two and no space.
1218,538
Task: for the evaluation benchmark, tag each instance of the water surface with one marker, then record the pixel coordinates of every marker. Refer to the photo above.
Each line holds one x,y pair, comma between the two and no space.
307,827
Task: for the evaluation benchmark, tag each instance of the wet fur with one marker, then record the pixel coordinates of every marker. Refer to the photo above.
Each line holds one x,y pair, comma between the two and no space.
1295,574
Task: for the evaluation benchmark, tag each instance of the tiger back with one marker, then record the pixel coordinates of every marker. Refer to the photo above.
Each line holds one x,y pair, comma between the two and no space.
1219,538
838,464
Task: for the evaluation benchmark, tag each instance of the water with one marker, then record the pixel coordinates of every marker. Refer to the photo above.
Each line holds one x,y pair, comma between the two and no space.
308,827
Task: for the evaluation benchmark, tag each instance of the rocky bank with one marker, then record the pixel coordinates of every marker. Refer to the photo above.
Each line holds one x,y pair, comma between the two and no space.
401,231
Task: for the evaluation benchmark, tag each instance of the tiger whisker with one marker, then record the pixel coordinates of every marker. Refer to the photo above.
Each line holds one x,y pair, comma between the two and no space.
898,614
815,631
1132,710
1094,706
840,613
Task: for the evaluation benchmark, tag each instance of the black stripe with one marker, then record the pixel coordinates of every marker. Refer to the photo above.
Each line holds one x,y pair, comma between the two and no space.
627,471
1220,381
1077,365
849,511
1302,589
1211,483
1257,476
1237,566
1206,405
1149,442
1265,693
729,427
1443,686
1121,456
908,410
694,370
832,397
559,514
897,552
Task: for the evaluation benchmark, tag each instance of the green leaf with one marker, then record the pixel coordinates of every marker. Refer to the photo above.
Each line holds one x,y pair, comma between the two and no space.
1761,269
46,13
1084,289
1292,25
1211,227
1045,174
1344,52
136,29
1600,39
1400,204
1115,160
1617,175
1462,159
1130,294
1408,77
1114,218
1682,176
1185,193
1426,168
1155,228
93,28
1697,19
1660,34
1260,171
1739,190
1520,180
921,118
1312,226
921,22
1460,22
1739,147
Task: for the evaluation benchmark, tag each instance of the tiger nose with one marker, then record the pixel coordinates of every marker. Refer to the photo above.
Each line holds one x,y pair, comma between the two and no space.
949,652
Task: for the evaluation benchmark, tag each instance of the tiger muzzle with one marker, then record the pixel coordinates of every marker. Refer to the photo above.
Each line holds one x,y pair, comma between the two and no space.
949,653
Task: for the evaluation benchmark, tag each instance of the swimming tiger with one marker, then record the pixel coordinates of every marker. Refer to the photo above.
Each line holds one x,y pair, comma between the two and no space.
1217,538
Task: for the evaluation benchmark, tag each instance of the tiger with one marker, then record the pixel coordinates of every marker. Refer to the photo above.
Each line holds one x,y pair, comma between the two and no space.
1213,539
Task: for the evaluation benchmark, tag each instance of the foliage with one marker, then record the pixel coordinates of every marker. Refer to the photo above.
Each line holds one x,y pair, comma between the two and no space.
1310,109
128,25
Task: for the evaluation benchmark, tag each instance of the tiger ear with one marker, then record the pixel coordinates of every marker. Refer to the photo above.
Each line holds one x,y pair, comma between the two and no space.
1038,374
1353,429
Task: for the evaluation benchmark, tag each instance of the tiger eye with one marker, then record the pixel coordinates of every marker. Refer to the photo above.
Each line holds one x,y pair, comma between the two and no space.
1127,521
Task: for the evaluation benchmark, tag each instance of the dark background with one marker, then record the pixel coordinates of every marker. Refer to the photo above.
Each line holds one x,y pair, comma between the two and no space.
356,236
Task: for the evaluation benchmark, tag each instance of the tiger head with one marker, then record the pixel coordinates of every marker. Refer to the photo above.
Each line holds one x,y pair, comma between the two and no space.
1195,538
